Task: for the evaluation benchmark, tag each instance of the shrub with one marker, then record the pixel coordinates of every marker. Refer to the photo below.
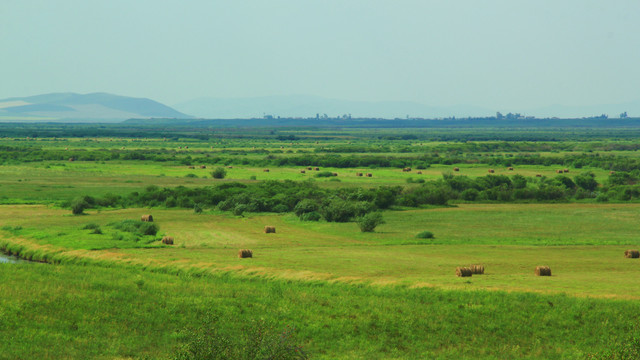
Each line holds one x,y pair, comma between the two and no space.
239,209
470,194
191,176
219,173
425,235
311,216
305,206
197,208
280,208
78,205
324,174
148,228
91,226
370,221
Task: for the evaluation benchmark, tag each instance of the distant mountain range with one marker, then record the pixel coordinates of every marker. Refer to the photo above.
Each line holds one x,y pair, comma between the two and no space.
103,107
73,107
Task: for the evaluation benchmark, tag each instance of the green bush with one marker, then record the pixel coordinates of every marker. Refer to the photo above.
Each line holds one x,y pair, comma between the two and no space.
370,221
324,174
91,226
311,216
78,205
219,173
425,235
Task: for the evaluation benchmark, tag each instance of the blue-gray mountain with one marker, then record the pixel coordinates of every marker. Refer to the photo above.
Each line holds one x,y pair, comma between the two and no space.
83,107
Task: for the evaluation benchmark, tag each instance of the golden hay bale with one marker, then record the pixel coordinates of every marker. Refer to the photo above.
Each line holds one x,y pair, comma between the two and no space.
407,169
565,170
167,240
147,218
245,253
456,169
369,174
229,167
419,173
269,229
632,254
334,174
510,168
309,168
192,167
611,172
543,271
358,174
203,166
559,171
266,170
477,269
316,168
538,175
303,172
72,159
463,272
491,171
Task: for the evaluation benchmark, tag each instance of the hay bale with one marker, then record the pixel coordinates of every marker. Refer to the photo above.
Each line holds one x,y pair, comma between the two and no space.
265,170
369,174
632,254
491,171
565,170
192,167
334,174
407,169
477,269
611,172
309,168
543,271
456,169
203,166
510,168
358,174
147,218
229,167
167,240
302,171
538,175
72,159
559,171
269,229
245,253
419,173
316,168
463,272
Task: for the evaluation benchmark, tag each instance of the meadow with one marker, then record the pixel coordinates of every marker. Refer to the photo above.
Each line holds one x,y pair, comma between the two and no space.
94,289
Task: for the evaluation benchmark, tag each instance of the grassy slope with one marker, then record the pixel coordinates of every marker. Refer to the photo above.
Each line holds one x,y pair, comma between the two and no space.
55,312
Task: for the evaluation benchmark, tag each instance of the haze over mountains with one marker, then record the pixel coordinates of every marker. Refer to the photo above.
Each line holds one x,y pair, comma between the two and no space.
71,107
103,107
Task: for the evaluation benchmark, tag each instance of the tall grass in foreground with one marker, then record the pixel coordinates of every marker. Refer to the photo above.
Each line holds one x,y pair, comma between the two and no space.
83,312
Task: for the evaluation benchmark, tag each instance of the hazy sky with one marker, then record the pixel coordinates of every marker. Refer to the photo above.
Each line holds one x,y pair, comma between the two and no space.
498,54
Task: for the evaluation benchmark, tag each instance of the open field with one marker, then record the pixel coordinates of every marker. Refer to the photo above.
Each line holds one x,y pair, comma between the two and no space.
111,293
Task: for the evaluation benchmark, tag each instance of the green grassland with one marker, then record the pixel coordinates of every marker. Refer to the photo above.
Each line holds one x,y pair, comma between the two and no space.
110,294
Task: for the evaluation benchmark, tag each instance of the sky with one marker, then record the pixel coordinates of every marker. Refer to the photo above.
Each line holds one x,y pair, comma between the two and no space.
507,54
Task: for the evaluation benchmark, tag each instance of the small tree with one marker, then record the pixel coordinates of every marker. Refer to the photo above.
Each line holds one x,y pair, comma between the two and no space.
78,205
219,173
370,221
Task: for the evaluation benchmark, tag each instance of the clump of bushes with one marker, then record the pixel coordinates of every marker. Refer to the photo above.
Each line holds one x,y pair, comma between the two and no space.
425,235
370,221
136,227
219,173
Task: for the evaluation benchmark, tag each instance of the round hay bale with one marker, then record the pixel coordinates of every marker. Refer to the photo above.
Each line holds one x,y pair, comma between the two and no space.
491,171
265,170
632,254
611,172
192,167
538,175
245,253
369,175
72,159
203,166
167,240
147,218
565,170
302,171
407,169
419,173
463,272
477,269
559,171
309,168
543,271
456,169
316,168
229,167
334,174
358,174
269,229
510,168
